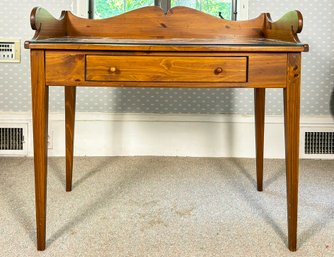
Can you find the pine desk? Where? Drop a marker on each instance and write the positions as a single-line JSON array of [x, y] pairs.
[[184, 48]]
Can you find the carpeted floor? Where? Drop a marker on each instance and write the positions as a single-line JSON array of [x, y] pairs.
[[166, 206]]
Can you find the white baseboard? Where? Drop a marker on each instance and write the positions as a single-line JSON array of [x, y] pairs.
[[101, 134]]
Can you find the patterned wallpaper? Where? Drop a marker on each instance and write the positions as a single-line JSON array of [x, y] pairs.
[[15, 93], [317, 79], [318, 64]]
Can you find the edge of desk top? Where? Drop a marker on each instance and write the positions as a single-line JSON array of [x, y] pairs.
[[175, 44]]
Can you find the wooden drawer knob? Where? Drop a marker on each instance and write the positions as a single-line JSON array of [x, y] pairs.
[[218, 70], [113, 69]]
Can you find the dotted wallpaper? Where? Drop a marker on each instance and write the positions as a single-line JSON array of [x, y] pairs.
[[15, 95], [317, 77], [318, 64]]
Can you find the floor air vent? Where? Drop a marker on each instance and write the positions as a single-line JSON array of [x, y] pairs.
[[319, 143], [11, 139]]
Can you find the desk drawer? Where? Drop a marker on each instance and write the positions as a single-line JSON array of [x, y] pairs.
[[162, 68]]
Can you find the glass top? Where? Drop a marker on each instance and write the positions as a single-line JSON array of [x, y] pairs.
[[229, 41]]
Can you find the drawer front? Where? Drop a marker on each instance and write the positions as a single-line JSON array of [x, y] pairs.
[[162, 68], [62, 67]]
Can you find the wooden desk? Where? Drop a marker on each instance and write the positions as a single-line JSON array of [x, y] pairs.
[[183, 49]]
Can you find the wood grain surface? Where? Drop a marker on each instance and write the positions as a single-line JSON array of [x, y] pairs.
[[142, 69], [70, 99], [40, 102], [166, 68], [292, 121], [151, 23], [183, 49]]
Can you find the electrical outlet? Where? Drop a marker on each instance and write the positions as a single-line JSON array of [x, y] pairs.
[[10, 50], [50, 140]]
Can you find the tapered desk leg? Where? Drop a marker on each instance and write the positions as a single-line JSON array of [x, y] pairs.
[[70, 96], [292, 115], [40, 94], [259, 100]]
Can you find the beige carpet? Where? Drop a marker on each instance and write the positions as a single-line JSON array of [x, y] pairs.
[[156, 206]]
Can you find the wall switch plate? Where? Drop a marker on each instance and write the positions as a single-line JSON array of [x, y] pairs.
[[10, 50]]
